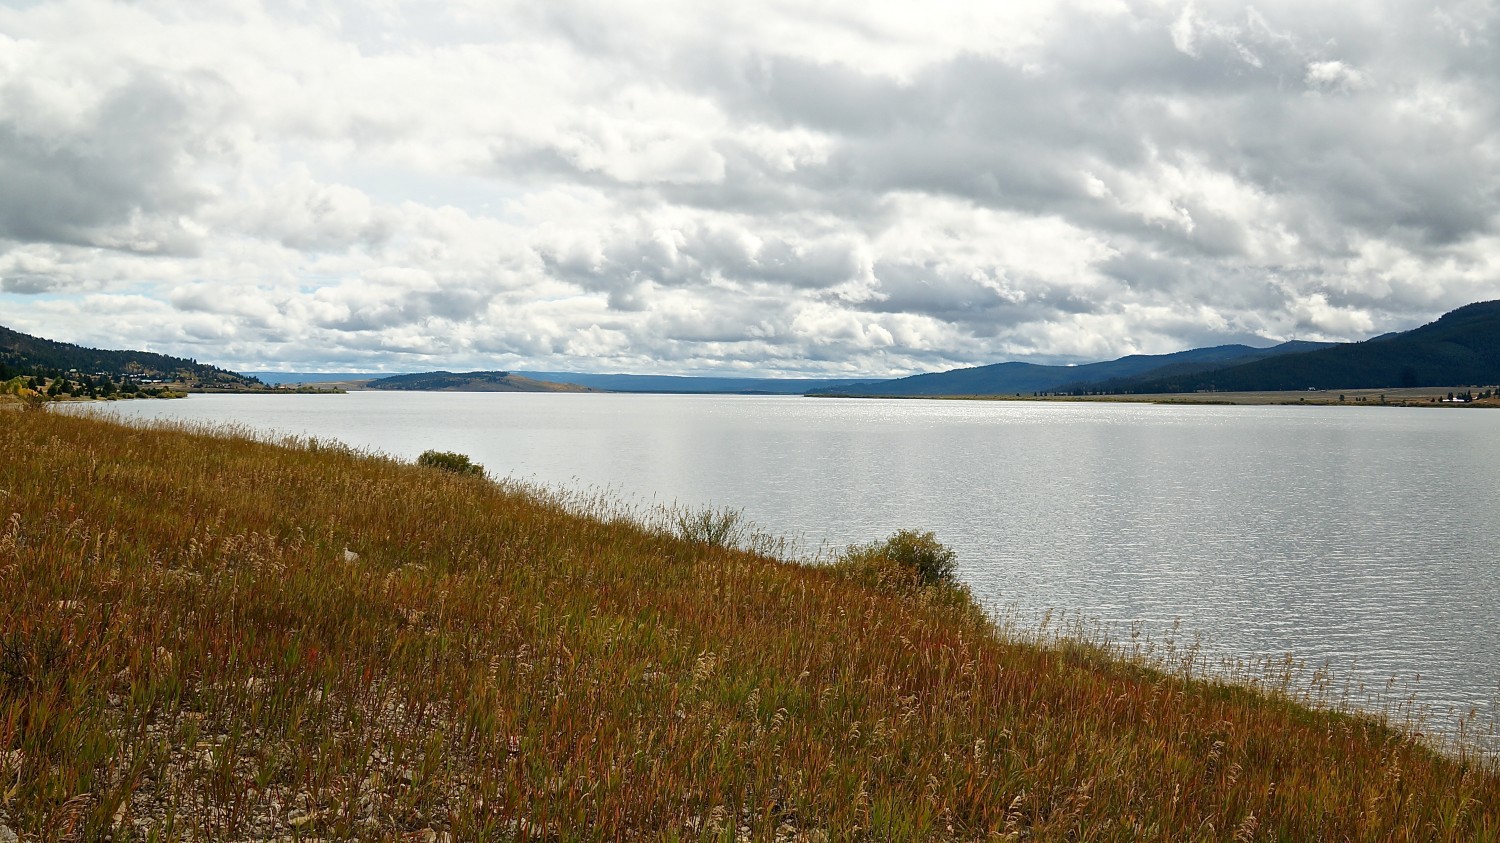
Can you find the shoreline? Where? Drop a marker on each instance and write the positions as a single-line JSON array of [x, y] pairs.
[[1404, 397], [1413, 397]]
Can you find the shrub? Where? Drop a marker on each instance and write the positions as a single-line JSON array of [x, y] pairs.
[[715, 527], [908, 559], [450, 461], [934, 562]]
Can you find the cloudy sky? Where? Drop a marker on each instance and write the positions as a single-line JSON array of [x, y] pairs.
[[798, 187]]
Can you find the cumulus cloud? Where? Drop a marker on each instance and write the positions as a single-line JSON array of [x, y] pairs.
[[764, 187], [1334, 75]]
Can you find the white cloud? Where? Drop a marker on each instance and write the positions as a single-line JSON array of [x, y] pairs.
[[1334, 75], [866, 188]]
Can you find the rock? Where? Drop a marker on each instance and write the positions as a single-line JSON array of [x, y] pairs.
[[7, 836], [299, 819], [350, 556]]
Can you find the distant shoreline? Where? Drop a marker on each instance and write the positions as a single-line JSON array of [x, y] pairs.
[[1406, 397]]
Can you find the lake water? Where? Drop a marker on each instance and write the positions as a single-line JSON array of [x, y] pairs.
[[1364, 537]]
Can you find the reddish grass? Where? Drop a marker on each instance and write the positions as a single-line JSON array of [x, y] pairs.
[[191, 654]]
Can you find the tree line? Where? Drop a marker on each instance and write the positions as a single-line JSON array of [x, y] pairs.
[[56, 386]]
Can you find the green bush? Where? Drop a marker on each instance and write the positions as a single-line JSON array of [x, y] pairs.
[[450, 461], [908, 559], [715, 527]]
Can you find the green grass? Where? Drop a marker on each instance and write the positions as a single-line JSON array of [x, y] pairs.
[[214, 638]]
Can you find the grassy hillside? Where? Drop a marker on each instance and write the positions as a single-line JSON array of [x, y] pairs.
[[216, 639], [1462, 347], [23, 353], [470, 382]]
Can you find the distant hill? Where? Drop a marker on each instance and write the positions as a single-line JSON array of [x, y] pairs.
[[1187, 368], [1460, 348], [694, 384], [471, 382], [1026, 378], [24, 353], [279, 378]]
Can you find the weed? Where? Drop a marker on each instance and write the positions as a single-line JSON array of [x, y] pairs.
[[711, 527]]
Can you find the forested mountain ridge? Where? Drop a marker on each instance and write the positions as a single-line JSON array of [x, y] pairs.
[[1025, 378], [25, 354], [1460, 348]]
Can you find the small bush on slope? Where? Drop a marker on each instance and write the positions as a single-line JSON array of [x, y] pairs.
[[449, 461], [723, 528], [908, 559]]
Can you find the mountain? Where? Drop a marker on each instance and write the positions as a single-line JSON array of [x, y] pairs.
[[1188, 368], [1025, 378], [471, 382], [694, 384], [294, 378], [1460, 348], [25, 353], [685, 384]]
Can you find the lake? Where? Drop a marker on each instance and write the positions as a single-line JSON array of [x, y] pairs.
[[1364, 537]]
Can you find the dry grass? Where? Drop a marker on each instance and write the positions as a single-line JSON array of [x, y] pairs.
[[211, 638]]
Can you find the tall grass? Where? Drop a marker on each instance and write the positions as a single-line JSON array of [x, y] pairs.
[[216, 638], [724, 528]]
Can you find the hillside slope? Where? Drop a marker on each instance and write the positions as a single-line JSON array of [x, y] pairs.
[[220, 639], [23, 352], [1025, 378], [693, 384], [1460, 348], [470, 382]]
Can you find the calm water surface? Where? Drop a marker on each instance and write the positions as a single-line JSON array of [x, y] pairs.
[[1368, 538]]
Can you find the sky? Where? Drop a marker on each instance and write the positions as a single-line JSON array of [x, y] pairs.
[[798, 188]]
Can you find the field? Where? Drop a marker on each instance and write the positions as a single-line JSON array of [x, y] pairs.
[[209, 637]]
